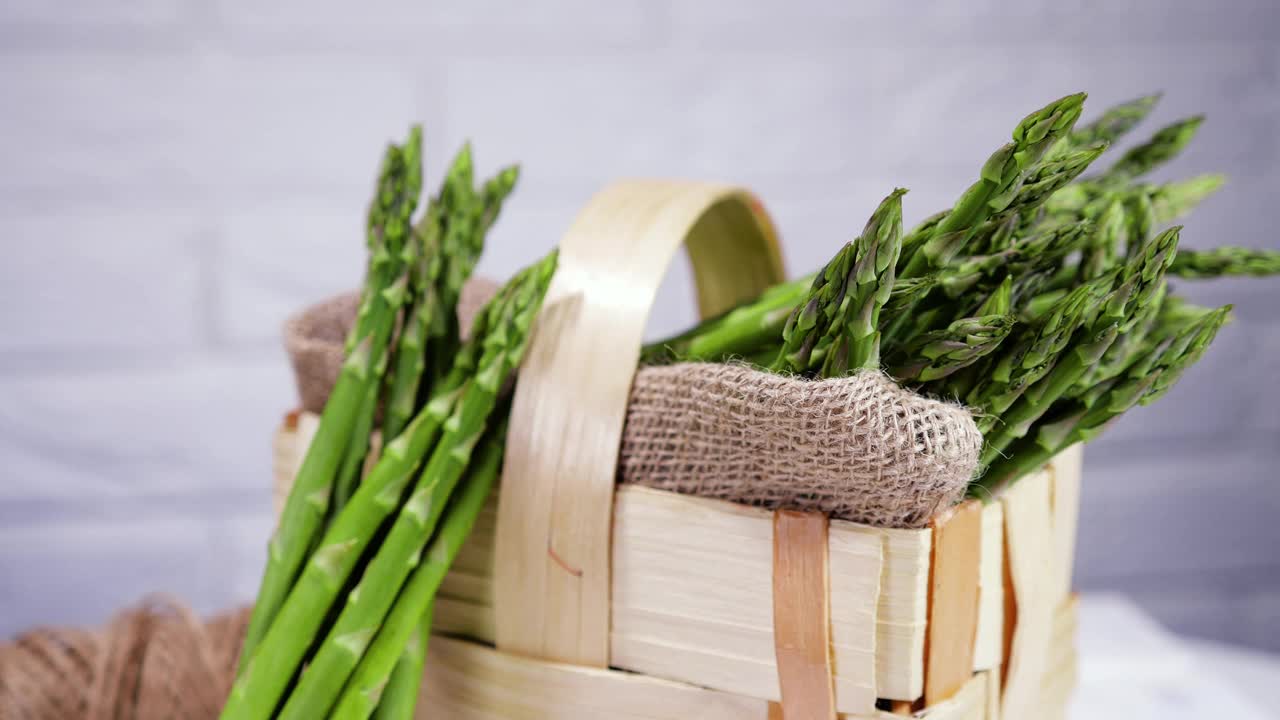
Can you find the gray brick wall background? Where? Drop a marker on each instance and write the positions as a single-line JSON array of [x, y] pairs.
[[179, 175]]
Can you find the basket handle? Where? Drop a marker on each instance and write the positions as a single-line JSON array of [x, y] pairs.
[[555, 511]]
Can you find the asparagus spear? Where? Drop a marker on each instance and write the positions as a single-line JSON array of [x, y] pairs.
[[402, 688], [1224, 261], [1114, 122], [738, 332], [366, 687], [263, 678], [308, 501], [1105, 246], [1051, 176], [1140, 285], [870, 284], [461, 244], [1123, 351], [402, 393], [938, 354], [1001, 178], [835, 329], [399, 697], [1173, 200], [817, 315], [1141, 215], [1038, 251], [1142, 384], [1161, 148], [1026, 358], [367, 605]]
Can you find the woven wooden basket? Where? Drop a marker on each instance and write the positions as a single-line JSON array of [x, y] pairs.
[[579, 598]]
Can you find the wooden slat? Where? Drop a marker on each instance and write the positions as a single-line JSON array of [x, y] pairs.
[[988, 648], [467, 681], [953, 601], [1029, 547], [1061, 666], [1065, 470], [802, 615], [552, 547], [692, 597], [693, 600], [902, 613]]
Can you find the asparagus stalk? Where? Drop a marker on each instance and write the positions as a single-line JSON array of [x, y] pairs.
[[1105, 246], [401, 695], [835, 328], [937, 354], [410, 361], [308, 502], [1160, 149], [461, 244], [739, 332], [263, 678], [1001, 178], [1029, 357], [1038, 251], [1114, 122], [401, 551], [870, 284], [1142, 222], [1124, 350], [1140, 285], [374, 673], [1225, 261], [1173, 200], [817, 315], [1051, 176], [1142, 384]]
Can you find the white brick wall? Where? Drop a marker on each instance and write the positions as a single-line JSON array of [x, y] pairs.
[[179, 176]]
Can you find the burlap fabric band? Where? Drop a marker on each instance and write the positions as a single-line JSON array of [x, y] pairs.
[[859, 448], [157, 661]]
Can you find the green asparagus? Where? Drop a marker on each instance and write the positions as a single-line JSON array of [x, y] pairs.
[[308, 501], [365, 689], [1224, 261], [401, 550]]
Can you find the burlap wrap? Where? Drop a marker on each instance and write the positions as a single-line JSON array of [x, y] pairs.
[[859, 448], [157, 661]]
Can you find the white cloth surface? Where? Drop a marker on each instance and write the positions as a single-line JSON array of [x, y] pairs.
[[1133, 669]]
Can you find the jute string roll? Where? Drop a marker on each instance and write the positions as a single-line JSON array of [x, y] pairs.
[[157, 661]]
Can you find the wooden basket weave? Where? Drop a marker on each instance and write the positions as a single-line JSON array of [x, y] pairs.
[[579, 598]]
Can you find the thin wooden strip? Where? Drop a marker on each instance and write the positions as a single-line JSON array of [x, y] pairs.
[[1065, 469], [953, 601], [1029, 548], [692, 598], [988, 648], [687, 568], [466, 681], [855, 560], [802, 615], [967, 703], [553, 538], [902, 614]]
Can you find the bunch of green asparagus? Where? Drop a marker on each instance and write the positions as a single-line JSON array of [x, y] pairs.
[[1040, 299], [340, 624]]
